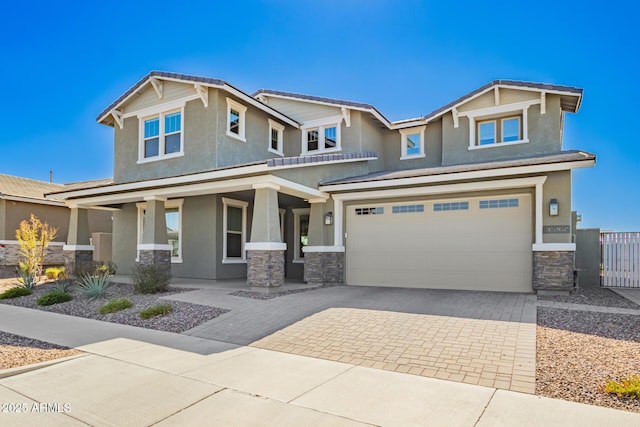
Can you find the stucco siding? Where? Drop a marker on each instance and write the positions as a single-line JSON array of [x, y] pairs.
[[55, 216], [432, 147], [557, 186], [125, 238]]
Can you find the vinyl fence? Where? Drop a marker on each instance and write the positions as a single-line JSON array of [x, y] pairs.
[[620, 259]]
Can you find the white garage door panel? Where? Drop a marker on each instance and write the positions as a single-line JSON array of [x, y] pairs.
[[487, 249]]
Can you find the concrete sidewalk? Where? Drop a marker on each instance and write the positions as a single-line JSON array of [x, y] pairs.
[[126, 382]]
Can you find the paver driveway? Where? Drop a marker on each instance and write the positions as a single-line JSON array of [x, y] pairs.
[[485, 338]]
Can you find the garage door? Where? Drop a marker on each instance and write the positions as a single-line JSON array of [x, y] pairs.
[[471, 243]]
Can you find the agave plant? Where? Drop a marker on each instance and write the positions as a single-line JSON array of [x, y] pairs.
[[94, 286], [63, 285], [27, 280]]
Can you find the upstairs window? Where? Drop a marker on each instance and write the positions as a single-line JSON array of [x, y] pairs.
[[412, 142], [276, 137], [499, 130], [236, 120], [321, 138], [161, 136]]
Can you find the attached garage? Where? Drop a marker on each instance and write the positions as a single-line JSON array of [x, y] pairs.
[[473, 243]]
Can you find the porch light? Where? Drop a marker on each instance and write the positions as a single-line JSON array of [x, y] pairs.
[[553, 207], [328, 218]]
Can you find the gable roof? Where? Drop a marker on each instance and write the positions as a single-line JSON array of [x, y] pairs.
[[16, 187], [186, 78]]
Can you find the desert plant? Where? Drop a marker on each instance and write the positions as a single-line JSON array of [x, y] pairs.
[[627, 387], [54, 297], [27, 280], [16, 292], [94, 286], [156, 310], [63, 285], [150, 279], [33, 237], [105, 268], [55, 273], [116, 305]]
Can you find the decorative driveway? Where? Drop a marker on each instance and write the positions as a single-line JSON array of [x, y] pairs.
[[485, 352]]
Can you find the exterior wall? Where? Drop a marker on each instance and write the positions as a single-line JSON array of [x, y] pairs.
[[148, 97], [370, 137], [233, 270], [553, 270], [312, 175], [557, 229], [302, 111], [3, 220], [588, 257], [125, 238], [544, 135], [55, 216], [432, 148]]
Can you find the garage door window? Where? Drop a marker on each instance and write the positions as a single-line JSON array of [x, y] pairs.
[[451, 206], [370, 211], [407, 209], [498, 203]]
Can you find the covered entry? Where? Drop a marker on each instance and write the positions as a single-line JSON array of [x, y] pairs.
[[473, 243]]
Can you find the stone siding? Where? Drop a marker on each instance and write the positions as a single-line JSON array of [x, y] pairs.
[[325, 268], [160, 258], [265, 268], [553, 270], [10, 255], [78, 262]]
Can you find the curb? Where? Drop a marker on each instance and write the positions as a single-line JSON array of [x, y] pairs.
[[5, 373]]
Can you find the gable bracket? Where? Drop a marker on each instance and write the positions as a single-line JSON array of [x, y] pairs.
[[496, 96], [117, 116], [158, 86], [454, 110], [203, 93], [346, 114], [543, 102]]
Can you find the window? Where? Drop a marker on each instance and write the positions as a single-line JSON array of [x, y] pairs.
[[234, 224], [173, 219], [412, 142], [321, 139], [451, 206], [301, 233], [498, 203], [276, 137], [236, 120], [498, 131], [370, 211], [407, 209], [161, 136]]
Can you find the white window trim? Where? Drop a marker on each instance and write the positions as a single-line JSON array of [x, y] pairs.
[[241, 109], [321, 125], [297, 213], [161, 136], [507, 110], [273, 125], [243, 237], [404, 133], [174, 203]]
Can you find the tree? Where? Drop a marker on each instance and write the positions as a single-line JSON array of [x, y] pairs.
[[34, 237]]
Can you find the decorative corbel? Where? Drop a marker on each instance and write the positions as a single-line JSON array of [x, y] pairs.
[[543, 102], [158, 86], [203, 93], [454, 111], [346, 114], [117, 116], [496, 95]]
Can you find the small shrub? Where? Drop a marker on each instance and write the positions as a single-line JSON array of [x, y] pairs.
[[108, 268], [156, 310], [627, 387], [16, 292], [63, 285], [27, 280], [150, 279], [116, 305], [94, 286], [54, 297], [55, 273]]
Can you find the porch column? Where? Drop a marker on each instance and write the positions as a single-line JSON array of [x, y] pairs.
[[265, 251], [154, 249], [78, 252], [323, 262]]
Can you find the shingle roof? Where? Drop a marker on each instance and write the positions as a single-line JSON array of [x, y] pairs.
[[561, 157], [32, 189]]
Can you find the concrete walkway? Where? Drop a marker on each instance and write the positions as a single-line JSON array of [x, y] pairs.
[[124, 382], [632, 294]]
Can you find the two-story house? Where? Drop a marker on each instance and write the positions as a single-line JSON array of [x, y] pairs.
[[221, 184]]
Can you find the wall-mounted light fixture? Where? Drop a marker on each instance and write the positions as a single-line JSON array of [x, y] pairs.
[[553, 207], [328, 218]]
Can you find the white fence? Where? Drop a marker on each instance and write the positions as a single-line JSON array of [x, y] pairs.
[[620, 259]]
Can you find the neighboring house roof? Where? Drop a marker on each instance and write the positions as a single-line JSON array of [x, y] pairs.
[[15, 187], [546, 159], [186, 78]]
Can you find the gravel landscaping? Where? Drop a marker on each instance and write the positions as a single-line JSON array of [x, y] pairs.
[[578, 351], [599, 296], [19, 351], [183, 317]]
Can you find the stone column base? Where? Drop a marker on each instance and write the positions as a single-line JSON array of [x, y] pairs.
[[78, 262], [553, 270], [159, 257], [265, 268], [325, 268]]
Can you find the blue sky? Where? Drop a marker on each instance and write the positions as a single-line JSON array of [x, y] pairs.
[[63, 62]]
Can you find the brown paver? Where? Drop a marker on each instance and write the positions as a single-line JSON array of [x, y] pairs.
[[493, 353]]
